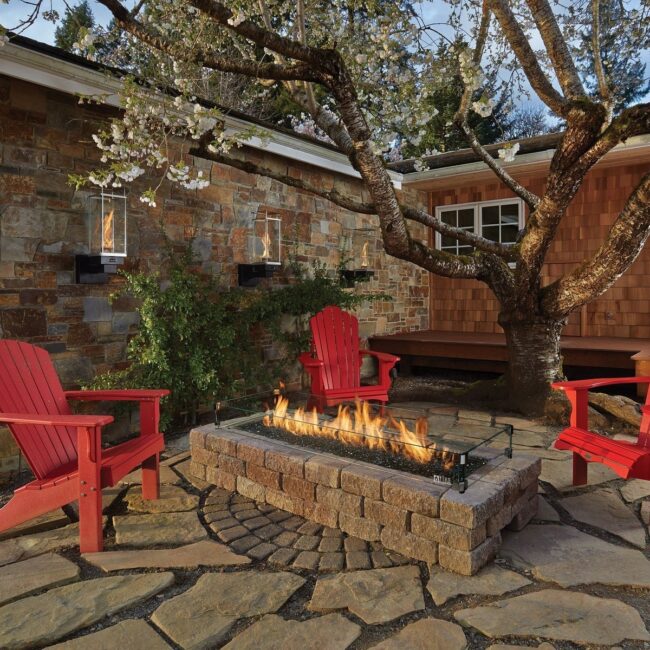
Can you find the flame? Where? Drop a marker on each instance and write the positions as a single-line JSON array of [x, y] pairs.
[[361, 428], [364, 255], [107, 234], [266, 244]]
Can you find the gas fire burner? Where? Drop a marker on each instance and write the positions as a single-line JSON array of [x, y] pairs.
[[444, 501], [424, 443]]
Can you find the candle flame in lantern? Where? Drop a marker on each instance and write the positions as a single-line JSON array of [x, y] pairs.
[[361, 428], [364, 255], [266, 246], [107, 234]]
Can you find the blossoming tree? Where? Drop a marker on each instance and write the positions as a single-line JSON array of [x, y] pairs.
[[361, 69]]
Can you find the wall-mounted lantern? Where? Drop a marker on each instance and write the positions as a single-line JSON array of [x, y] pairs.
[[106, 219], [264, 250], [357, 256]]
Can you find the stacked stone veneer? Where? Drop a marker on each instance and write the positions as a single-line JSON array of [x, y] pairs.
[[408, 514]]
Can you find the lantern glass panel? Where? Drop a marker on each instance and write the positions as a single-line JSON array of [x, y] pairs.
[[107, 225], [361, 253], [264, 242]]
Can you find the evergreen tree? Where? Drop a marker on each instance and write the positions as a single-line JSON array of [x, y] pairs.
[[67, 33], [626, 74]]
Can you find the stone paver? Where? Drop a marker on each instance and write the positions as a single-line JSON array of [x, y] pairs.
[[127, 634], [375, 596], [42, 619], [635, 489], [333, 632], [545, 511], [569, 557], [172, 499], [559, 473], [26, 577], [645, 512], [605, 509], [205, 553], [490, 581], [201, 616], [426, 634], [48, 521], [161, 528], [21, 548], [501, 646], [558, 615]]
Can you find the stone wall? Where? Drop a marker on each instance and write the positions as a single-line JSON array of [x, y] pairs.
[[45, 135]]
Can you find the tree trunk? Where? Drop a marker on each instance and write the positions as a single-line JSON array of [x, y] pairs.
[[534, 360]]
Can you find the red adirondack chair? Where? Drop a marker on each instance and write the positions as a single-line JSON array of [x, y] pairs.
[[334, 363], [627, 459], [64, 450]]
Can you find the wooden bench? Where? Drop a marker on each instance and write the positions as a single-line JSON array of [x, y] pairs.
[[627, 459]]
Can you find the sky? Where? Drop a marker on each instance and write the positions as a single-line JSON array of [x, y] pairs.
[[42, 30]]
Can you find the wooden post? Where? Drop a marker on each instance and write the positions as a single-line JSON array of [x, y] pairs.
[[641, 369]]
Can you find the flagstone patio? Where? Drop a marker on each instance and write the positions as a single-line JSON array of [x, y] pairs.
[[206, 568]]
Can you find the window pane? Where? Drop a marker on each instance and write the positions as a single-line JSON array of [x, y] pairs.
[[448, 216], [466, 218], [510, 210], [509, 234], [464, 250], [491, 232], [490, 214], [448, 242]]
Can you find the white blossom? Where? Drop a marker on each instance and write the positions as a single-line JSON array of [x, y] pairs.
[[508, 152]]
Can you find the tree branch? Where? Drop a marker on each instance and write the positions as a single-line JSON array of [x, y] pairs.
[[249, 68], [524, 52], [603, 86], [591, 279], [557, 48], [461, 120]]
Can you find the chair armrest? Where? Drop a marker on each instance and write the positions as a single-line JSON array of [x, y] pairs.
[[308, 361], [578, 394], [86, 421], [126, 395], [384, 357], [586, 384]]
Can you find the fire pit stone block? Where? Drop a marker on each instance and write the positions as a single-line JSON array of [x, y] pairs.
[[411, 515]]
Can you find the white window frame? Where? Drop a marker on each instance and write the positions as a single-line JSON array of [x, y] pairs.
[[476, 206]]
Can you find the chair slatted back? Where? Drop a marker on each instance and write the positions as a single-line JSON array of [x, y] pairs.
[[29, 385], [336, 343]]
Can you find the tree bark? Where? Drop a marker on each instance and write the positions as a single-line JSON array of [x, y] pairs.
[[535, 360]]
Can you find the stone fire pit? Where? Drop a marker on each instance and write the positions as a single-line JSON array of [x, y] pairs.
[[412, 515]]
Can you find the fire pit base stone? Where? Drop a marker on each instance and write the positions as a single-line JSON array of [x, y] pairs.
[[408, 514]]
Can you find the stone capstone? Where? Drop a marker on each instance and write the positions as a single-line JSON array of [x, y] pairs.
[[334, 632], [490, 581], [426, 634], [560, 615], [569, 557], [43, 619], [202, 616], [375, 596], [205, 553]]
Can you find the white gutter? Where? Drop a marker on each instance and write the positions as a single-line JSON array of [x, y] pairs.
[[65, 76], [637, 143]]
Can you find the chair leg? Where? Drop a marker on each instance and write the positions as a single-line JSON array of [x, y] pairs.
[[579, 470], [151, 478], [91, 530]]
